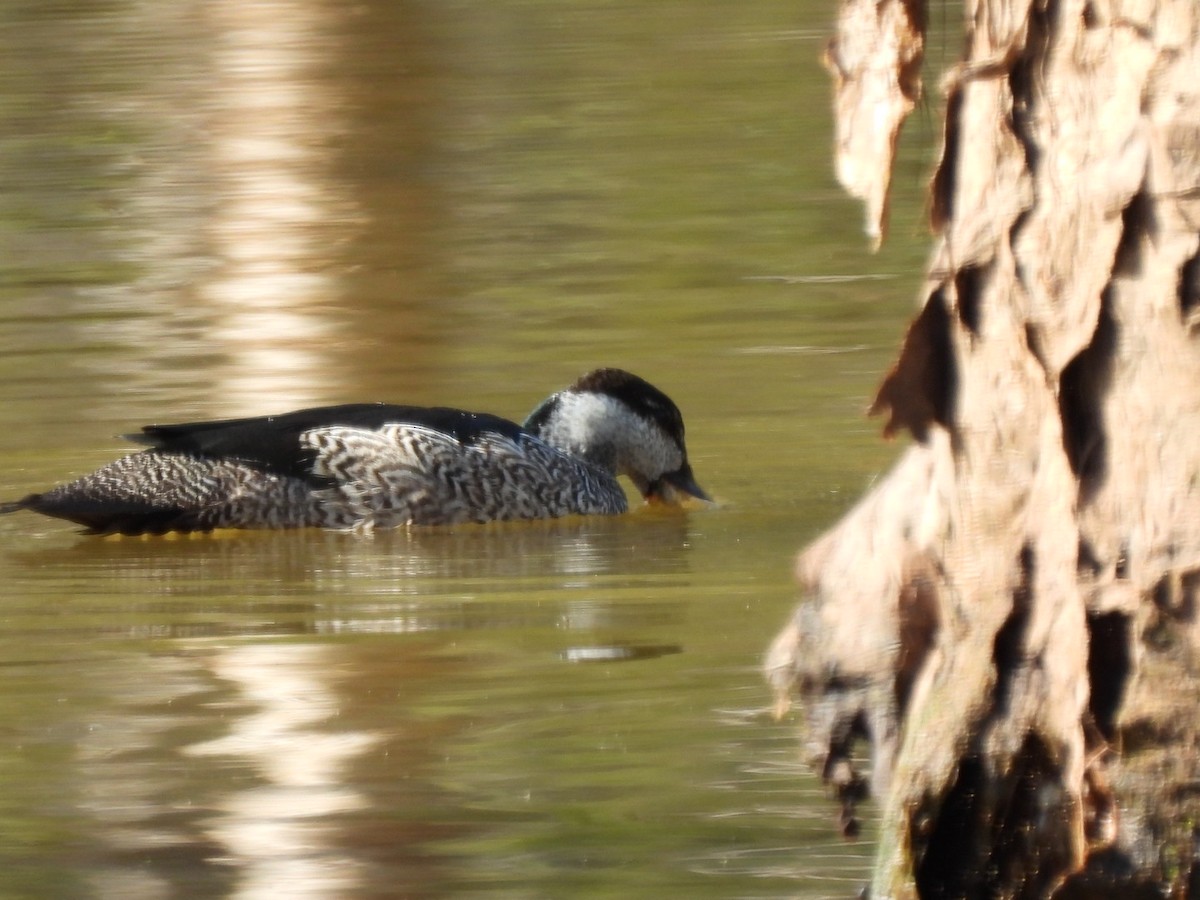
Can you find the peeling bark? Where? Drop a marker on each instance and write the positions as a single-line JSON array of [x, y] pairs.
[[875, 60], [1011, 617]]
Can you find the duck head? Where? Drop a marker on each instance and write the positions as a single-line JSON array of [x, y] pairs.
[[620, 423]]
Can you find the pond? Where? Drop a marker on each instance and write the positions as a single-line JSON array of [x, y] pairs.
[[246, 206]]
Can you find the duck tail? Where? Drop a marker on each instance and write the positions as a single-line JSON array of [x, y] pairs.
[[12, 506]]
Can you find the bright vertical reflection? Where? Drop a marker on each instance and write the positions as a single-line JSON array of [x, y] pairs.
[[277, 831], [271, 132]]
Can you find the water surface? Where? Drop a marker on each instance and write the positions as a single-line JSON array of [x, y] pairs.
[[241, 207]]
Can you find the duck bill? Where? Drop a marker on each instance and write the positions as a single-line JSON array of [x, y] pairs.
[[676, 487]]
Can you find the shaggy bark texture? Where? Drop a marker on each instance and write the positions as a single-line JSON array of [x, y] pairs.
[[1010, 617]]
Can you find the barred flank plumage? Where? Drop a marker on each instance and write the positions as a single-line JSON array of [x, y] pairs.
[[372, 465], [410, 474], [155, 492]]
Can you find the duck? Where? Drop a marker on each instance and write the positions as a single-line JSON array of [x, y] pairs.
[[362, 466]]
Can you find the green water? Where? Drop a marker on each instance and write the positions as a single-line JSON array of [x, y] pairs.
[[242, 207]]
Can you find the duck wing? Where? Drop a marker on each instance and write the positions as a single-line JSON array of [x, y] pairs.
[[274, 443]]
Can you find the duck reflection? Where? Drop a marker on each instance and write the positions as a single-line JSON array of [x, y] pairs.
[[573, 575]]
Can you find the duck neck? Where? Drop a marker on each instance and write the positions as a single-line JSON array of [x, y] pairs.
[[585, 426]]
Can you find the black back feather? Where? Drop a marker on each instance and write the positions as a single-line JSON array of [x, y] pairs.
[[273, 442]]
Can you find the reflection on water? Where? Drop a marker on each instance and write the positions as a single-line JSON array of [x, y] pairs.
[[208, 140], [277, 832], [452, 710], [574, 549], [130, 791], [574, 576], [270, 142]]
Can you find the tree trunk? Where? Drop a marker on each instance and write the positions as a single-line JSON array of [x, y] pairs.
[[1010, 617]]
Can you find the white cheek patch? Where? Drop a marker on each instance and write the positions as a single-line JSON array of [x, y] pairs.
[[607, 433]]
